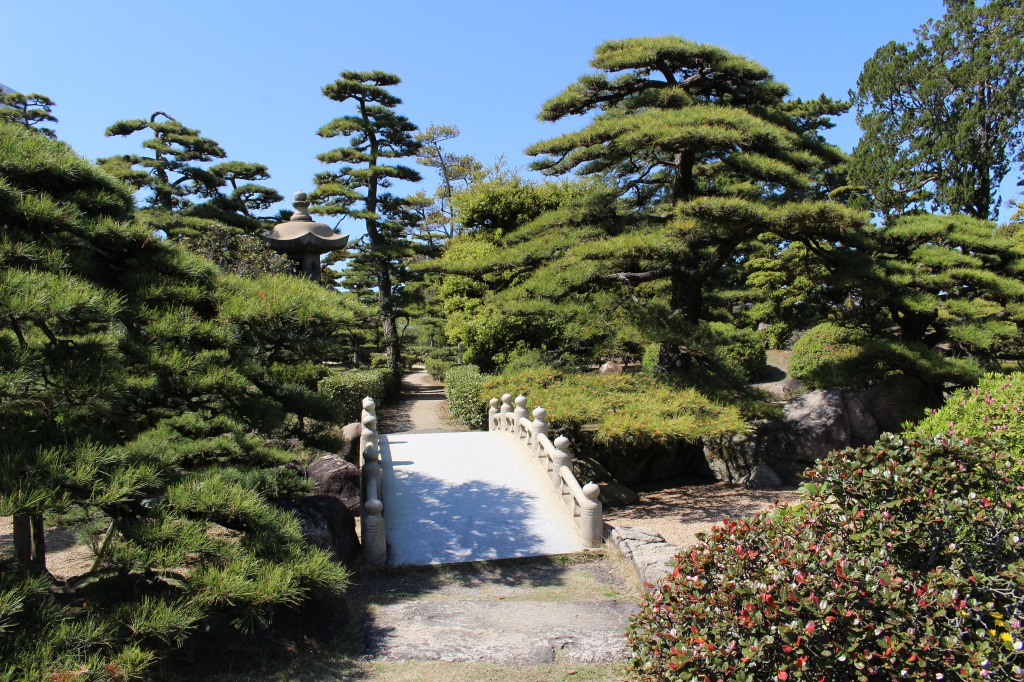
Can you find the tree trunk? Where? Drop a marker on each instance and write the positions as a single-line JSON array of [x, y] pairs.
[[687, 302], [29, 540], [388, 323]]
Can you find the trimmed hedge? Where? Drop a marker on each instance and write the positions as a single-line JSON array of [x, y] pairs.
[[463, 387], [903, 559], [830, 356], [347, 388], [438, 367]]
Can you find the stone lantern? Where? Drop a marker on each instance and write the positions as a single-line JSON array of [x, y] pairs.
[[303, 240]]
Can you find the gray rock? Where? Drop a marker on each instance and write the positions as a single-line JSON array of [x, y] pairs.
[[653, 559], [350, 442], [326, 523], [334, 476], [817, 424], [739, 458], [611, 367], [863, 425]]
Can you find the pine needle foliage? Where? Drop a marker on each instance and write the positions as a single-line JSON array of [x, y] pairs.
[[138, 386], [696, 153]]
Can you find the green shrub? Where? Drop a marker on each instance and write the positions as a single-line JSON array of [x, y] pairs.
[[741, 350], [903, 560], [830, 356], [463, 387], [347, 388], [437, 367], [649, 362], [640, 427]]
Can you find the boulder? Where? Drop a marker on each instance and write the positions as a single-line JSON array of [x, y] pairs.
[[816, 424], [611, 367], [653, 559], [331, 475], [326, 523], [739, 458], [350, 442]]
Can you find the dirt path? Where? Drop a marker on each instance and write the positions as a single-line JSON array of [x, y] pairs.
[[422, 408]]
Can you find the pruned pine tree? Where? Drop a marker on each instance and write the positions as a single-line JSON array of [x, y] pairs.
[[186, 197], [134, 380], [28, 110], [707, 153], [943, 116], [377, 136], [438, 222], [951, 282], [171, 173]]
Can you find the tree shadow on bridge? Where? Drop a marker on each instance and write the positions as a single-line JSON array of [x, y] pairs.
[[436, 521]]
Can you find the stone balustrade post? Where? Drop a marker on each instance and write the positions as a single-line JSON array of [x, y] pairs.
[[561, 458], [591, 517], [518, 414], [491, 413], [539, 426], [372, 472], [374, 537], [506, 408]]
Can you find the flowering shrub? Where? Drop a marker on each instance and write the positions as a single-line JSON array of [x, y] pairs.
[[992, 409], [903, 559]]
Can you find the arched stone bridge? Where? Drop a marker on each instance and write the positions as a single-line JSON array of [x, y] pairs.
[[438, 498]]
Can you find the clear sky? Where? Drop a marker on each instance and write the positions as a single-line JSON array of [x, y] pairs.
[[249, 74]]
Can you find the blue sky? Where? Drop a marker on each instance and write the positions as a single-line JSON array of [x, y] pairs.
[[248, 74]]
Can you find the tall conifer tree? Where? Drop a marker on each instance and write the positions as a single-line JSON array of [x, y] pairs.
[[376, 135]]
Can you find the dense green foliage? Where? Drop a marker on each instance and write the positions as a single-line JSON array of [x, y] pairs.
[[947, 282], [618, 410], [438, 367], [902, 559], [347, 388], [693, 154], [464, 387], [831, 356], [943, 117], [834, 356], [138, 385]]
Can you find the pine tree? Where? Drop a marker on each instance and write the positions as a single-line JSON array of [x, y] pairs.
[[706, 154], [28, 110], [376, 134], [134, 382]]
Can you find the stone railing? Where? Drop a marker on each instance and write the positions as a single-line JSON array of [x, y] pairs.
[[373, 532], [581, 501]]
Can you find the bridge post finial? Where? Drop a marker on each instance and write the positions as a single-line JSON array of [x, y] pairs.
[[374, 538], [517, 415], [591, 517], [539, 426], [492, 413], [561, 458]]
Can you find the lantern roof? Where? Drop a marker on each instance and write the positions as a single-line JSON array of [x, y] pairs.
[[301, 234]]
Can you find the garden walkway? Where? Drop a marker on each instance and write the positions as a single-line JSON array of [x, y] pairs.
[[469, 496]]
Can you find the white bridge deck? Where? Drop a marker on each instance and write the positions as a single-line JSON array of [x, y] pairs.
[[456, 497]]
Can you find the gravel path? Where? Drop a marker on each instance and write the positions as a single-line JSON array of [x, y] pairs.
[[421, 409]]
